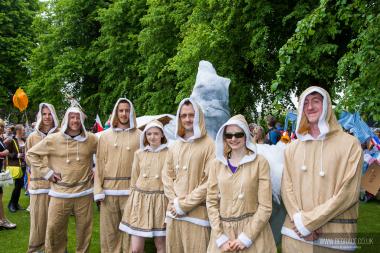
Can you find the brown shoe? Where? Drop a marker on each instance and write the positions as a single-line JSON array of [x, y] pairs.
[[7, 224]]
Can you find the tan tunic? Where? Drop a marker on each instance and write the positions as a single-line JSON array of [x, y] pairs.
[[240, 204], [69, 157], [144, 214]]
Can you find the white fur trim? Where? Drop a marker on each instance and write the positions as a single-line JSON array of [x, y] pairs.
[[99, 197], [70, 195], [245, 240], [117, 192], [38, 191], [178, 209], [322, 124], [221, 240], [248, 142], [196, 128], [297, 217], [196, 221], [161, 147], [148, 234], [48, 175], [322, 242]]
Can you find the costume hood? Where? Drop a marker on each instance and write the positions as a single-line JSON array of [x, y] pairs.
[[198, 124], [132, 116], [220, 143], [143, 139], [39, 119]]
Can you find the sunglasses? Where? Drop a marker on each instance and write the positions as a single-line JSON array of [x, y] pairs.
[[237, 135]]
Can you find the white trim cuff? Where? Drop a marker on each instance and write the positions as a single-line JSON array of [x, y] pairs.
[[245, 240], [221, 240], [178, 209], [49, 174], [297, 217], [99, 197]]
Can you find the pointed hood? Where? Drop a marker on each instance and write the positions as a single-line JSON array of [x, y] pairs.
[[220, 143], [39, 119], [198, 124], [144, 142], [83, 136], [132, 116], [327, 122]]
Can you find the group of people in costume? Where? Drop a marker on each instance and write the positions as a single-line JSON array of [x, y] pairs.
[[196, 194]]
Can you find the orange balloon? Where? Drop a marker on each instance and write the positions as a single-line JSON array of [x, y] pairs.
[[20, 99]]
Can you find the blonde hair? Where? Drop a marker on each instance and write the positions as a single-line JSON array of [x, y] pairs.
[[2, 123]]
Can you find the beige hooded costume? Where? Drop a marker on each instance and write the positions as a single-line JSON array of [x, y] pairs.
[[114, 159], [38, 186], [144, 214], [71, 157], [185, 184], [320, 184], [239, 204]]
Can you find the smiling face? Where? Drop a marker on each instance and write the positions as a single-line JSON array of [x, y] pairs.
[[47, 117], [74, 124], [234, 137], [123, 111], [154, 136], [313, 107]]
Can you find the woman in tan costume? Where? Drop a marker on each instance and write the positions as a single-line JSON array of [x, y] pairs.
[[144, 215], [239, 194]]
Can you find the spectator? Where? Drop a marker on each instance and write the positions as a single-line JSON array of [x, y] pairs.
[[4, 222], [16, 157], [252, 127], [258, 137], [273, 135]]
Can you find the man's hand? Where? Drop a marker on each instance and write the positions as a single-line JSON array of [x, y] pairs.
[[173, 211], [312, 237], [237, 245], [226, 247], [55, 177]]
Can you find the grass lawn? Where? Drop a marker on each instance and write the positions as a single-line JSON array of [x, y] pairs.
[[16, 241]]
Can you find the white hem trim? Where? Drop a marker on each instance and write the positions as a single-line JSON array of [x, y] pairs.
[[221, 240], [70, 195], [178, 209], [99, 196], [149, 234], [297, 217], [117, 192], [322, 242], [48, 175], [196, 221], [245, 240], [39, 191]]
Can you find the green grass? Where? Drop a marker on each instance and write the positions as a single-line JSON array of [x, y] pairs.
[[16, 241]]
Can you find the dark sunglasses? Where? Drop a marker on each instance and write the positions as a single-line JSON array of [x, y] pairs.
[[237, 135]]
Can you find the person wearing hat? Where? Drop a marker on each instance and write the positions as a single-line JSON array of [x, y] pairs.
[[144, 214], [47, 123], [321, 180], [185, 182], [65, 159], [239, 194], [114, 159]]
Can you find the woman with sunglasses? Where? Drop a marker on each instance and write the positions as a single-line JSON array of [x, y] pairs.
[[239, 194]]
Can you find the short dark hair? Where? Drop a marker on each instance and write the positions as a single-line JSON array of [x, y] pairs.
[[271, 121]]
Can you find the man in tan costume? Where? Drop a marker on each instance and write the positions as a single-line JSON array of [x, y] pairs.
[[321, 180], [114, 159], [185, 182], [47, 123], [69, 166]]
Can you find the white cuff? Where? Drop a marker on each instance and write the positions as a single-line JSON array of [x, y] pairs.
[[245, 240], [297, 217], [99, 196], [49, 174], [221, 240], [178, 209]]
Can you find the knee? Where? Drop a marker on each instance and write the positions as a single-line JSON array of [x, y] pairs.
[[160, 244], [137, 250]]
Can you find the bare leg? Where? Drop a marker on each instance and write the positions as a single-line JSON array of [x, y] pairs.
[[1, 207], [137, 244], [160, 244]]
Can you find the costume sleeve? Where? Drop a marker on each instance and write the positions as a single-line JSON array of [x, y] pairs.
[[212, 203], [101, 160], [135, 170], [287, 193], [37, 157], [346, 197], [28, 145], [198, 195], [168, 177], [264, 210]]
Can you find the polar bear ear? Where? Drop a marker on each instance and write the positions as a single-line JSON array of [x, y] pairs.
[[206, 67]]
